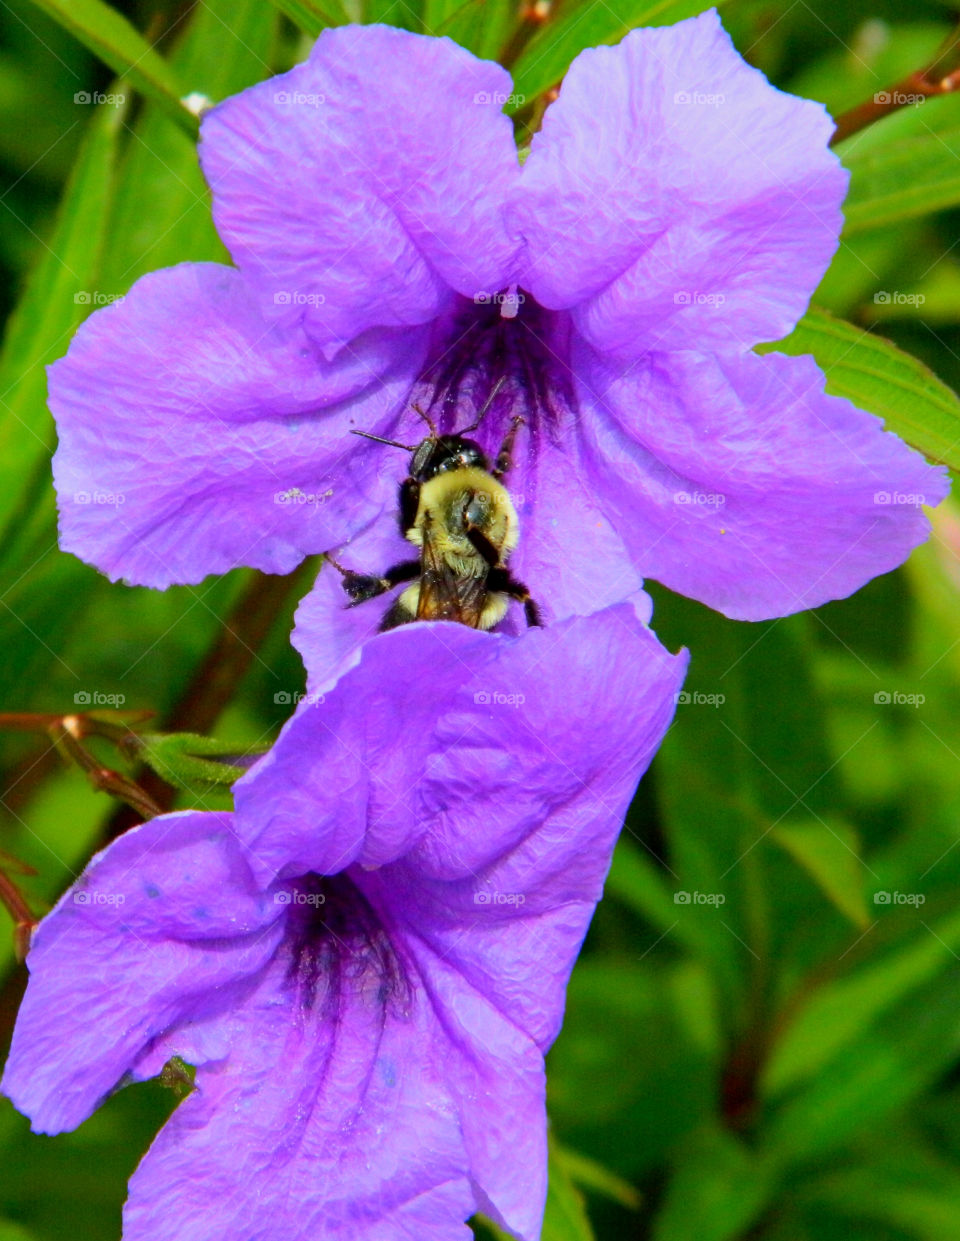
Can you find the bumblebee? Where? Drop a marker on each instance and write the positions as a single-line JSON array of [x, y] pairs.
[[455, 509]]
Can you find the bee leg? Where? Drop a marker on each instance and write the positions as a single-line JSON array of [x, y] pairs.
[[505, 456], [501, 580], [363, 586], [483, 545], [409, 504]]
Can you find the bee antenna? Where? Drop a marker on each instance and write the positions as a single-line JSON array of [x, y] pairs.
[[486, 405], [428, 420], [380, 440]]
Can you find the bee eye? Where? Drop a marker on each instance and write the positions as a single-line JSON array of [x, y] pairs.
[[421, 458]]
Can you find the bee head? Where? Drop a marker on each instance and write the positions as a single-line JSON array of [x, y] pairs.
[[438, 455]]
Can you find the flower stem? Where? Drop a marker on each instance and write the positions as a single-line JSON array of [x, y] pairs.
[[941, 77]]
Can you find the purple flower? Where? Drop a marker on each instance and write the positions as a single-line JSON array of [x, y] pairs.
[[674, 211], [369, 1043]]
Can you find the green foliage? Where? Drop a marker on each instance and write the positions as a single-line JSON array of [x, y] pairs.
[[193, 762], [586, 23], [876, 375], [111, 37], [906, 165], [763, 1034]]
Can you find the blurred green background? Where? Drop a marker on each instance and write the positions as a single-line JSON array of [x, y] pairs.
[[763, 1033]]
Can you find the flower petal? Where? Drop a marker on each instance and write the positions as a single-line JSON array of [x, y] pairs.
[[329, 632], [341, 782], [527, 804], [556, 729], [341, 1110], [505, 881], [571, 557], [164, 926], [195, 437], [488, 753], [737, 481], [676, 199], [494, 1069], [361, 187]]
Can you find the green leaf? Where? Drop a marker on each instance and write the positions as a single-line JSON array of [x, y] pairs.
[[565, 1218], [188, 760], [635, 880], [486, 27], [121, 46], [718, 1188], [626, 1051], [163, 213], [891, 1065], [408, 14], [906, 165], [311, 17], [829, 853], [588, 23], [904, 1186], [13, 1232], [58, 296], [842, 1012], [746, 749], [590, 1175], [879, 52], [876, 375]]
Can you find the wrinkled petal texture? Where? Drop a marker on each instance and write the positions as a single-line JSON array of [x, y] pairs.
[[499, 733], [195, 437], [339, 785], [328, 632], [530, 781], [361, 187], [674, 199], [512, 800], [331, 1118], [352, 1081], [738, 482], [164, 927]]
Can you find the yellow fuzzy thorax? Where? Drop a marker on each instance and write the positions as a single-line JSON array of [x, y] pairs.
[[442, 502]]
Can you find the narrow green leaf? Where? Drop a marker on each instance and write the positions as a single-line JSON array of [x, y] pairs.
[[902, 1186], [904, 165], [830, 856], [310, 16], [13, 1232], [875, 1077], [565, 1218], [549, 53], [61, 290], [191, 761], [407, 14], [111, 37], [590, 1175], [876, 375], [163, 213], [486, 27], [841, 1013], [635, 880], [718, 1188]]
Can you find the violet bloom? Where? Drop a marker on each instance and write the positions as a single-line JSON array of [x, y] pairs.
[[674, 211], [369, 1043]]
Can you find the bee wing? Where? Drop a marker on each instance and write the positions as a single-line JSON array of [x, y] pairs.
[[444, 594]]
